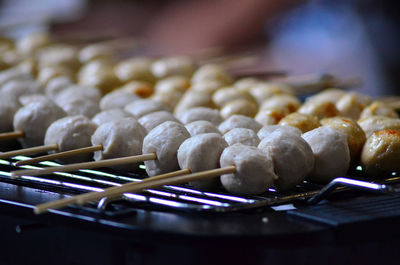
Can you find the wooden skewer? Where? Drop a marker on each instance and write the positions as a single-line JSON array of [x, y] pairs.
[[29, 151], [74, 152], [11, 135], [154, 182], [85, 165]]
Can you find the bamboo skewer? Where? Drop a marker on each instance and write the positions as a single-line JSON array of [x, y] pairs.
[[11, 135], [155, 182], [85, 165], [29, 151], [79, 151]]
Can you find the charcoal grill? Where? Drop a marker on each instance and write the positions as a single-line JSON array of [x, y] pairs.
[[180, 219]]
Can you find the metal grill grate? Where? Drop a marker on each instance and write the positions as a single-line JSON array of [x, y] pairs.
[[179, 197]]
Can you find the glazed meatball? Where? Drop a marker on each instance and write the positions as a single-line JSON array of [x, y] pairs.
[[8, 107], [34, 119], [199, 127], [142, 107], [301, 121], [292, 157], [71, 133], [239, 121], [120, 138], [164, 140], [254, 170], [239, 106], [331, 153], [378, 123], [200, 114], [117, 99], [242, 136], [351, 104], [381, 153], [152, 120], [355, 135], [270, 116], [320, 109], [202, 152], [267, 130], [18, 88], [110, 115], [378, 109]]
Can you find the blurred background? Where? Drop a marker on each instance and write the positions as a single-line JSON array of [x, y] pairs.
[[344, 37]]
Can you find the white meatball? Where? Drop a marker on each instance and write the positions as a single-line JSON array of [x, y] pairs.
[[172, 84], [192, 99], [292, 157], [8, 107], [378, 109], [56, 86], [199, 127], [267, 130], [381, 153], [164, 140], [34, 119], [320, 109], [134, 69], [152, 120], [331, 153], [142, 107], [351, 104], [120, 138], [80, 106], [75, 91], [18, 88], [254, 170], [200, 114], [178, 65], [239, 121], [242, 136], [211, 72], [378, 123], [117, 99], [202, 152], [331, 95], [28, 98], [110, 115], [16, 73], [71, 133]]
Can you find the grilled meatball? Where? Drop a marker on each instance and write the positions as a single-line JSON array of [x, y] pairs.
[[199, 127], [110, 115], [164, 140], [378, 123], [18, 88], [8, 106], [200, 114], [119, 138], [172, 84], [351, 104], [270, 116], [142, 107], [292, 157], [239, 121], [266, 90], [378, 109], [281, 102], [206, 86], [152, 120], [355, 135], [211, 72], [254, 170], [301, 121], [247, 83], [242, 136], [320, 109], [202, 152], [117, 99], [267, 130], [170, 66], [331, 153], [381, 153], [34, 119], [140, 88], [71, 133], [239, 106], [331, 95], [56, 86]]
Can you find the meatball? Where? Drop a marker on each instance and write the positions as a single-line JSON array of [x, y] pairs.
[[227, 94], [178, 65], [265, 90], [8, 107], [164, 140], [254, 170], [58, 55], [239, 121], [172, 84], [378, 123], [119, 138], [117, 99], [110, 115], [80, 106], [200, 114], [202, 152], [381, 153], [242, 136], [331, 153], [81, 92], [247, 83], [206, 86], [270, 116], [71, 133], [34, 119], [135, 69], [378, 109], [239, 106], [192, 99], [281, 102], [331, 95], [320, 109], [32, 42], [15, 73], [142, 107], [301, 121], [199, 127], [140, 88], [351, 104], [292, 157], [168, 99], [267, 130], [152, 120], [56, 86], [18, 88], [355, 135], [212, 72], [28, 98]]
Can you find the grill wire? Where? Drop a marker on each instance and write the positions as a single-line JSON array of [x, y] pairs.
[[177, 197]]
